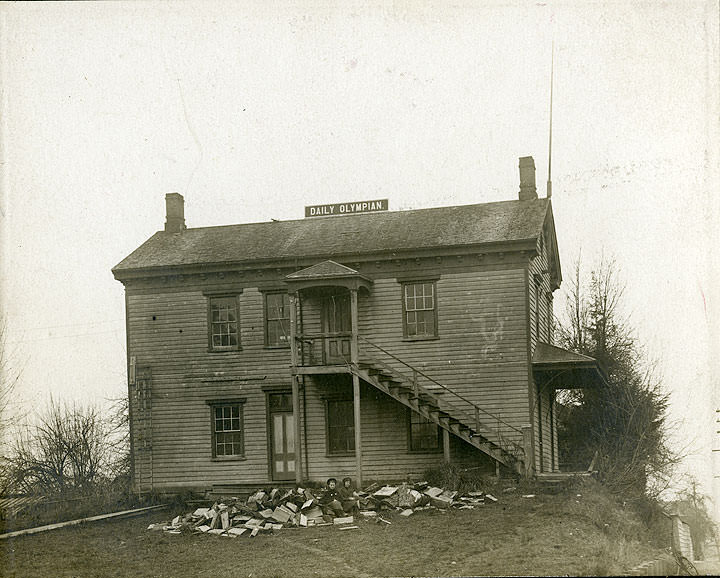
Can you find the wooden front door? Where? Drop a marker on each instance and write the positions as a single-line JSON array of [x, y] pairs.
[[337, 328], [282, 436]]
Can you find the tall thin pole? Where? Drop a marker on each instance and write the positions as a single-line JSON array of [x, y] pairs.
[[552, 70]]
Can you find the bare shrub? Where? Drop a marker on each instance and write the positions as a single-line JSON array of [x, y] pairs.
[[68, 449]]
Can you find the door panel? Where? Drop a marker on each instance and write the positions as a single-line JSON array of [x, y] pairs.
[[337, 327], [282, 436]]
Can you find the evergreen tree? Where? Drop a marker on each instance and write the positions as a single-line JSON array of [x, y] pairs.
[[623, 422]]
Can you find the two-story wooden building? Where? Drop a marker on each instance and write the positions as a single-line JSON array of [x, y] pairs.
[[373, 344]]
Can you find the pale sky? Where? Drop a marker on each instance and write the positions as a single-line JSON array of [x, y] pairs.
[[252, 113]]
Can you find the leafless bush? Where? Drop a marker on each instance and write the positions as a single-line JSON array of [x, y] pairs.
[[9, 377], [69, 449]]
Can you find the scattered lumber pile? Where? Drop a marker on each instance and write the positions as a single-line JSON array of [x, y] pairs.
[[270, 511]]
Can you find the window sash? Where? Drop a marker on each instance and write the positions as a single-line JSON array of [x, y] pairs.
[[277, 319], [224, 323], [227, 430], [419, 309], [340, 427]]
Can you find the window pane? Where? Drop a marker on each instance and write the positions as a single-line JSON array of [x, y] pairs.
[[273, 333], [227, 433]]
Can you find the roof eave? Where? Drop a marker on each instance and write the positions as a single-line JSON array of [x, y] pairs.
[[516, 245]]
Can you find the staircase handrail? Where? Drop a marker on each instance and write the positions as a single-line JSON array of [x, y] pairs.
[[476, 407]]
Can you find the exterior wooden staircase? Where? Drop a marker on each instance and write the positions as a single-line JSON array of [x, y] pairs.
[[447, 409]]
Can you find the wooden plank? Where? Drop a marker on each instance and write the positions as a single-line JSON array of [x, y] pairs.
[[122, 514]]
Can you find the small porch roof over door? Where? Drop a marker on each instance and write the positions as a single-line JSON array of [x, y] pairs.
[[565, 369], [327, 273]]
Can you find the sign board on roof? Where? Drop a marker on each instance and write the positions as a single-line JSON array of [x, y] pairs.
[[346, 208]]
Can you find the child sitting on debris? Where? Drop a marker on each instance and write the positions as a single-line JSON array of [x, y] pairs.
[[330, 501], [349, 498]]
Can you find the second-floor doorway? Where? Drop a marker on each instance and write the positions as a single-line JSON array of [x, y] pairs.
[[337, 328]]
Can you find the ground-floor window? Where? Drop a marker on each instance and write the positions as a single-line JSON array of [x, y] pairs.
[[423, 434], [227, 429], [340, 426]]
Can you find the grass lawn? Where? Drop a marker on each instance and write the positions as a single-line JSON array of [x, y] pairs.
[[545, 535]]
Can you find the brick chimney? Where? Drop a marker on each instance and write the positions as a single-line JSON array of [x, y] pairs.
[[174, 213], [527, 179]]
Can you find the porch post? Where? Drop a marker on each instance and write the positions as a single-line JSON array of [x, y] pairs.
[[446, 445], [354, 355], [296, 420], [295, 388], [528, 450], [293, 299]]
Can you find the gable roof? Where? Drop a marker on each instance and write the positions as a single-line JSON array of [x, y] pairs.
[[323, 270], [342, 236]]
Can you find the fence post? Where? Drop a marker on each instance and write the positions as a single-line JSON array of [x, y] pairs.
[[528, 450]]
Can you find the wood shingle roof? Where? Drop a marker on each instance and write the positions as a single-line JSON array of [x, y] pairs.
[[342, 236]]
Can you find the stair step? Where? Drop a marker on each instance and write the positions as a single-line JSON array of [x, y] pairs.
[[376, 369], [399, 386], [428, 405], [391, 380]]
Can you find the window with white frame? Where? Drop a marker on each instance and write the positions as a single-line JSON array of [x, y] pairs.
[[419, 309], [227, 429]]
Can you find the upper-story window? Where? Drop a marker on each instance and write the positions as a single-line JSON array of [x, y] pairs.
[[277, 319], [223, 323], [419, 309]]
